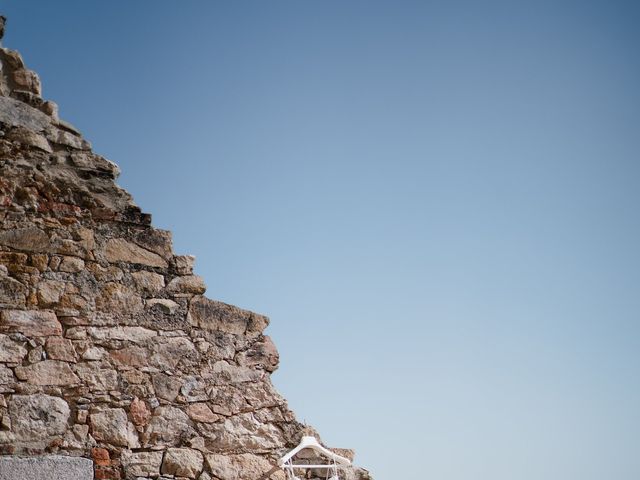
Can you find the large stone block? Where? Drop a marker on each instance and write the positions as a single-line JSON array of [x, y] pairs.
[[37, 418], [50, 467], [120, 250], [32, 323]]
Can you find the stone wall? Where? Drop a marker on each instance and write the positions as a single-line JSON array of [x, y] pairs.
[[108, 348]]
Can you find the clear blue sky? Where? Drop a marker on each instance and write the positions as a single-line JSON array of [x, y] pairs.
[[436, 202]]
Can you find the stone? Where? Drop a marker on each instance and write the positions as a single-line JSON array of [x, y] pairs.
[[120, 250], [50, 292], [182, 462], [59, 348], [166, 387], [139, 412], [148, 283], [6, 379], [47, 372], [95, 377], [32, 139], [169, 352], [246, 465], [32, 323], [141, 464], [163, 304], [184, 264], [111, 426], [62, 137], [262, 354], [212, 315], [27, 80], [10, 351], [48, 467], [116, 297], [101, 457], [130, 357], [37, 418], [200, 412], [168, 426], [130, 334], [189, 284], [30, 239], [19, 114], [12, 292], [71, 265]]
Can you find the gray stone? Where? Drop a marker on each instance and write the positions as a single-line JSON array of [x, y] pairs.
[[182, 462], [120, 250], [19, 114], [37, 418], [141, 464], [112, 426], [12, 292], [11, 351], [50, 467]]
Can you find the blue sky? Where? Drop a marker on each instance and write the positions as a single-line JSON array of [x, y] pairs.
[[436, 203]]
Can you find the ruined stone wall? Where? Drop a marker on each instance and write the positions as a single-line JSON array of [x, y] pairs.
[[108, 348]]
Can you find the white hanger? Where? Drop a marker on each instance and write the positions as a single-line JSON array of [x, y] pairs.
[[312, 443]]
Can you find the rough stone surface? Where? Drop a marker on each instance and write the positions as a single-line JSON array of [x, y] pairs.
[[108, 348], [182, 462], [50, 467], [37, 418]]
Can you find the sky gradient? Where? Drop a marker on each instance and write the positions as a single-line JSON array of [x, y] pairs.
[[435, 202]]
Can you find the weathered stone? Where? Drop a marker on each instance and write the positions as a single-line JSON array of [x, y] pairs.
[[27, 80], [96, 378], [166, 386], [120, 250], [169, 352], [10, 351], [189, 284], [32, 323], [59, 348], [246, 465], [111, 426], [37, 418], [30, 138], [71, 265], [184, 264], [182, 462], [242, 432], [30, 239], [49, 467], [116, 297], [48, 372], [262, 354], [163, 304], [200, 412], [212, 315], [50, 292], [101, 457], [148, 283], [168, 426], [130, 334], [130, 357], [68, 139], [12, 292], [19, 114], [141, 464], [139, 412], [6, 379], [89, 161]]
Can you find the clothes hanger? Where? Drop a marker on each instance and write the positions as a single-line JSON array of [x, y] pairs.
[[337, 461], [312, 443]]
